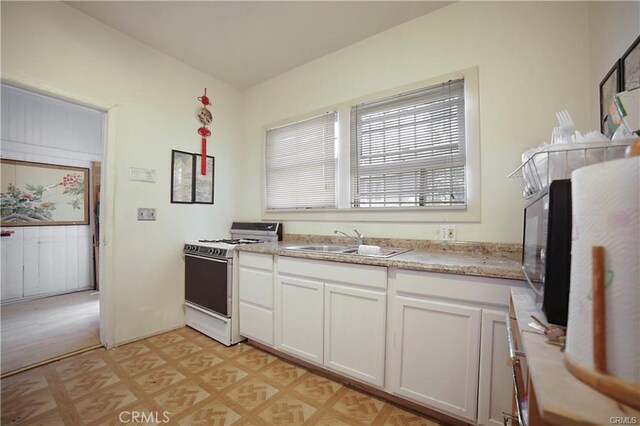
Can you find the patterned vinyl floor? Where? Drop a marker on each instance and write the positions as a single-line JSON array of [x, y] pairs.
[[183, 377]]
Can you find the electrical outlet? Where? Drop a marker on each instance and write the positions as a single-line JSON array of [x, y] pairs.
[[146, 214], [448, 232]]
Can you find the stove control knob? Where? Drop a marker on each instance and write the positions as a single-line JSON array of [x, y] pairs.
[[211, 251], [217, 252]]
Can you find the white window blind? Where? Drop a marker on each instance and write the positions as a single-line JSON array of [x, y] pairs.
[[409, 149], [300, 164]]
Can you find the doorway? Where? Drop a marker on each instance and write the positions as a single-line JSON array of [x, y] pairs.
[[50, 258]]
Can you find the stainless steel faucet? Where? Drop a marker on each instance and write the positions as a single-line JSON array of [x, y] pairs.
[[359, 239]]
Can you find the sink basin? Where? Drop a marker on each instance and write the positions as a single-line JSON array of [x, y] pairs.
[[384, 252], [323, 248], [338, 249]]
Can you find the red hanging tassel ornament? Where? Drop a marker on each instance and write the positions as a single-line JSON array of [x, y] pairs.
[[204, 132], [205, 118]]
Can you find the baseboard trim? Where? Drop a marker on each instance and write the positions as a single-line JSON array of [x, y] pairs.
[[379, 393], [146, 336], [50, 360], [46, 295]]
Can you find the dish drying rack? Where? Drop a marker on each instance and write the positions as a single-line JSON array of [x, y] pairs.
[[558, 161]]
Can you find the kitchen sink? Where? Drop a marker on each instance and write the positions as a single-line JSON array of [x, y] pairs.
[[353, 250], [330, 248]]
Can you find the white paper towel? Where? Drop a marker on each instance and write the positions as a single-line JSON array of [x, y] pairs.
[[606, 211]]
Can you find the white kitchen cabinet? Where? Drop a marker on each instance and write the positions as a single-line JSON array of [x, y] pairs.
[[255, 288], [494, 391], [438, 326], [434, 354], [299, 317], [344, 328], [354, 332]]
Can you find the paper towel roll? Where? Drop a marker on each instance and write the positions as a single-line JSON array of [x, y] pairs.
[[606, 212]]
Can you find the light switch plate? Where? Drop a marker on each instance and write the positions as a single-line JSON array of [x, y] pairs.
[[146, 214]]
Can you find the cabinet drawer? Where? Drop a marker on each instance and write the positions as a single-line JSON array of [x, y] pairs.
[[478, 290], [256, 323], [257, 260], [256, 286], [354, 274]]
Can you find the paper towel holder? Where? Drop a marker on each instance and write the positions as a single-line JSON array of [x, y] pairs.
[[614, 387], [633, 150]]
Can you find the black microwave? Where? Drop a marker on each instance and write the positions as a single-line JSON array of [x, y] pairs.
[[546, 249]]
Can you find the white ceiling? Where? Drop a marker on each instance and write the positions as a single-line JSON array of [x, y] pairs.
[[247, 42]]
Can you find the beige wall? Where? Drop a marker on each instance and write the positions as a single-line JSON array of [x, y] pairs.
[[152, 101], [532, 60], [613, 26]]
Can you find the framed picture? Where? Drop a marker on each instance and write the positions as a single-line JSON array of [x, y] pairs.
[[609, 86], [39, 194], [631, 67], [182, 171], [204, 183]]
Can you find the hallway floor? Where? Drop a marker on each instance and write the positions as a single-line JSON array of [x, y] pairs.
[[186, 378], [41, 329]]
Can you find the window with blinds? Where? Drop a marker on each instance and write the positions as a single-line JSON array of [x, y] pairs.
[[300, 164], [408, 150]]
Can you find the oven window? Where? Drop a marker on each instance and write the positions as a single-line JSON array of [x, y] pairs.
[[206, 283]]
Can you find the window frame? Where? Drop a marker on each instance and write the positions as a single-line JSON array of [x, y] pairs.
[[344, 212]]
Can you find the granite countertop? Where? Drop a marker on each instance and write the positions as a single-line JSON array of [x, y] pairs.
[[478, 263]]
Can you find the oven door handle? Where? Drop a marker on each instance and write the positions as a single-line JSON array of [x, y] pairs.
[[208, 258]]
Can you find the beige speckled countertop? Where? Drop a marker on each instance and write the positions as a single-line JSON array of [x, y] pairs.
[[475, 262]]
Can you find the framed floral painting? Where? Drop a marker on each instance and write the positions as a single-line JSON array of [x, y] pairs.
[[38, 194]]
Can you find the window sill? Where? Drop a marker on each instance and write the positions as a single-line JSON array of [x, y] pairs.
[[380, 214]]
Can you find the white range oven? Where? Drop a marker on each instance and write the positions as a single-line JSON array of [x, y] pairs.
[[211, 303]]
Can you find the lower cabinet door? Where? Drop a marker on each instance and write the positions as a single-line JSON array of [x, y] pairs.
[[435, 354], [496, 385], [354, 335], [299, 317]]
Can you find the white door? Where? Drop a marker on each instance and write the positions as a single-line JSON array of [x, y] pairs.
[[435, 354], [354, 335], [299, 317], [494, 394]]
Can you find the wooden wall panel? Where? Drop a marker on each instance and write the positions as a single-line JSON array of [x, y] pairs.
[[31, 271], [12, 254], [45, 261], [48, 259], [59, 250], [85, 258], [72, 268], [38, 120]]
